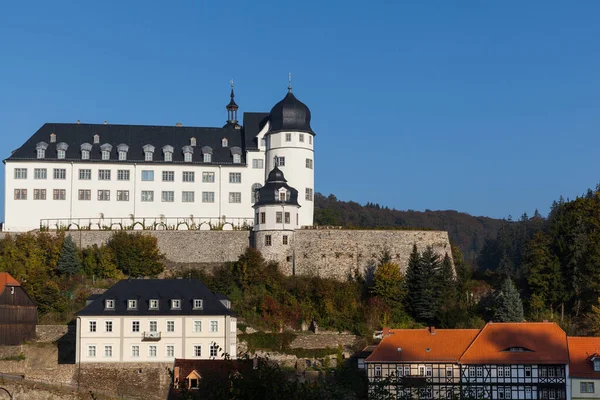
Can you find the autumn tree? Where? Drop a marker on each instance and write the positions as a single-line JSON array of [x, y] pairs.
[[136, 254]]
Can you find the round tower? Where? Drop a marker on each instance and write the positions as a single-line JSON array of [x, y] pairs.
[[290, 147]]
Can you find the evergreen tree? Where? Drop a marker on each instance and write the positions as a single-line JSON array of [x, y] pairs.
[[509, 307], [413, 282], [445, 281], [421, 277], [68, 262]]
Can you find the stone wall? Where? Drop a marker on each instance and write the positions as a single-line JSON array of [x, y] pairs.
[[51, 333]]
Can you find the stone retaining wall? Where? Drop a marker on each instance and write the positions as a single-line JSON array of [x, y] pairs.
[[51, 333]]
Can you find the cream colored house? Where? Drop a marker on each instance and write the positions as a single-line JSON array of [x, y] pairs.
[[584, 367]]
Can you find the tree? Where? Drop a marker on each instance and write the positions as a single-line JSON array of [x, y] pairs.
[[509, 307], [136, 254], [421, 277], [594, 319], [68, 262], [413, 281], [388, 284]]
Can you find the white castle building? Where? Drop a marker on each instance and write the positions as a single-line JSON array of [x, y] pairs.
[[94, 176]]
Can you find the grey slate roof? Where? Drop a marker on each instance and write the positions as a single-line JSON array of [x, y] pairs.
[[269, 193], [164, 290], [253, 123], [290, 114]]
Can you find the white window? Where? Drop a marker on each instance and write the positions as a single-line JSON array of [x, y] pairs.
[[122, 155], [85, 154], [214, 326], [192, 141], [543, 371], [398, 370], [40, 173], [105, 155], [235, 197], [122, 195], [20, 173], [168, 176], [527, 392], [187, 197], [170, 326], [131, 304], [153, 304], [110, 304], [92, 351], [237, 158], [39, 194], [214, 350], [188, 176], [471, 372], [235, 177], [596, 365], [449, 372], [103, 195], [377, 371], [224, 142], [507, 372], [147, 175], [551, 372], [309, 163], [421, 371], [527, 372], [207, 157], [61, 154], [60, 173], [197, 304], [85, 174], [59, 194], [122, 174], [263, 142], [500, 372], [197, 326], [309, 139], [197, 351], [428, 371], [20, 194], [551, 394], [170, 350], [406, 370], [257, 163], [308, 194], [104, 174], [268, 241], [208, 177], [152, 351], [280, 162], [135, 326], [587, 387], [153, 326], [168, 156], [41, 153], [135, 350], [147, 195], [148, 156], [208, 197], [278, 217], [176, 304], [92, 326], [301, 137], [108, 325], [263, 218], [187, 157], [168, 196], [288, 137], [479, 372]]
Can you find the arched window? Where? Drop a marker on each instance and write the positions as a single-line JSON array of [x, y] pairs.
[[85, 151], [96, 139], [207, 154], [148, 152], [224, 142], [188, 152], [255, 192], [168, 153], [61, 150], [192, 141], [52, 138], [122, 149], [41, 149], [106, 148]]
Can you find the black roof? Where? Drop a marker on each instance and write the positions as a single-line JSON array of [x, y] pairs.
[[269, 194], [290, 114], [163, 290], [253, 123]]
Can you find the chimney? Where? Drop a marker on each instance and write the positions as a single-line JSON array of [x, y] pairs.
[[52, 138], [386, 332], [78, 122], [432, 330], [105, 123], [178, 124]]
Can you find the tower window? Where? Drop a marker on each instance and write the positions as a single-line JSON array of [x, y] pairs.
[[268, 240], [192, 141], [309, 139], [280, 161], [301, 137], [52, 138], [285, 239], [288, 137]]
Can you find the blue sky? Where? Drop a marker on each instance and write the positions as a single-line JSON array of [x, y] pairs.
[[486, 107]]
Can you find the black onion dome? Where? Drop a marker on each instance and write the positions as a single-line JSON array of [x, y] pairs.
[[269, 194], [276, 176], [290, 114]]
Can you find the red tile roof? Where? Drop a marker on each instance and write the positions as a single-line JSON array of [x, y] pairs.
[[546, 340], [581, 351], [422, 345], [7, 279]]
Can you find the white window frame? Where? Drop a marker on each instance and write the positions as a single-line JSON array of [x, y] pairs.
[[135, 350], [39, 194], [168, 176], [132, 304], [108, 326], [377, 371], [123, 174], [197, 326], [147, 196], [301, 137], [122, 195], [105, 155], [135, 326], [214, 326], [198, 304], [170, 326], [208, 177], [170, 350], [187, 157], [40, 173], [235, 177], [258, 163], [61, 154], [91, 351], [308, 194], [208, 197], [122, 155], [288, 137], [167, 196], [188, 196], [85, 174], [60, 173], [188, 176], [152, 351], [20, 173], [147, 175], [214, 350], [176, 304], [237, 158], [85, 154], [235, 197], [109, 304], [207, 157], [197, 350], [104, 174], [153, 326], [103, 195], [92, 326], [153, 304]]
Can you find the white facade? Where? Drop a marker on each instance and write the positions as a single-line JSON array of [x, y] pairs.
[[155, 338]]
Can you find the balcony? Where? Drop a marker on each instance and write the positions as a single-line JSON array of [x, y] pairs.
[[151, 336]]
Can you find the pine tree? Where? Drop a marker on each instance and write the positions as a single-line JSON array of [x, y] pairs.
[[445, 281], [509, 307], [68, 262], [412, 280]]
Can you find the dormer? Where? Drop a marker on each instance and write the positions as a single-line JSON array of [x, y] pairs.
[[188, 152], [122, 149], [207, 154], [86, 148], [109, 304], [168, 153], [517, 349], [148, 152], [193, 141], [175, 304], [106, 148], [132, 304], [198, 304], [596, 363], [193, 380], [52, 137], [224, 142], [96, 139], [41, 149], [153, 304], [236, 152], [283, 194], [61, 150]]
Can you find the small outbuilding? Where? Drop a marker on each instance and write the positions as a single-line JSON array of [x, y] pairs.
[[18, 312]]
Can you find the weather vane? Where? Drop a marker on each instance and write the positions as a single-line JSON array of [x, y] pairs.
[[231, 81]]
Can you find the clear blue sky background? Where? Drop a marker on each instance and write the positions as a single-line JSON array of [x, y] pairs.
[[487, 107]]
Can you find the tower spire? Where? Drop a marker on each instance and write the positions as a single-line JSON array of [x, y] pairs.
[[232, 107], [289, 82]]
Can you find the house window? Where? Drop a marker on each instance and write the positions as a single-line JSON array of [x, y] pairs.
[[197, 304], [105, 155], [168, 196], [214, 350], [135, 326], [428, 371], [122, 195], [288, 137], [153, 304], [268, 240], [551, 372], [282, 196], [197, 351], [527, 392], [263, 217], [479, 372], [135, 351], [421, 371], [224, 142], [310, 139], [60, 173], [170, 326], [92, 326], [197, 326], [122, 174], [85, 194], [527, 372], [378, 371], [108, 325], [40, 173], [471, 372], [170, 351], [152, 351], [309, 163], [287, 217], [507, 372], [543, 371], [308, 194], [61, 154], [449, 372], [263, 142], [206, 157], [148, 156], [175, 304], [301, 137], [147, 175], [110, 304], [147, 195], [285, 239], [85, 154], [596, 365], [552, 394], [168, 156], [187, 197], [91, 351], [59, 194], [280, 162], [587, 387], [208, 197], [235, 177], [20, 194], [104, 174], [237, 158], [188, 176], [168, 176], [235, 197], [85, 174], [122, 155], [39, 194], [406, 370], [257, 164], [41, 153], [278, 217], [187, 157], [153, 326], [131, 304], [208, 177], [214, 326], [192, 141], [103, 195], [500, 372], [20, 173]]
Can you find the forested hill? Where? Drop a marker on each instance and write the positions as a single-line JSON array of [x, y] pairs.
[[465, 230]]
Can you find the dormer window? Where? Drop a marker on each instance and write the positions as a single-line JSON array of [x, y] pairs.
[[61, 150], [148, 152], [198, 303], [109, 304], [41, 149], [106, 149], [224, 142], [193, 141], [175, 304], [596, 365], [122, 149], [132, 304], [236, 152], [52, 138], [154, 304], [85, 151], [188, 151], [168, 153], [96, 139], [207, 154]]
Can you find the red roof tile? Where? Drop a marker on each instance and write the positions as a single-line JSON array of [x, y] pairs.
[[581, 351], [7, 279]]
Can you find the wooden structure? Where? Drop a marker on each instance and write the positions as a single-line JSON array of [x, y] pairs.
[[18, 313]]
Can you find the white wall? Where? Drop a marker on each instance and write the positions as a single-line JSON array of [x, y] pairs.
[[576, 389], [271, 217]]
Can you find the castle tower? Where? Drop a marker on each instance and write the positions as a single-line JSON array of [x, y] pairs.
[[232, 108], [290, 147]]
